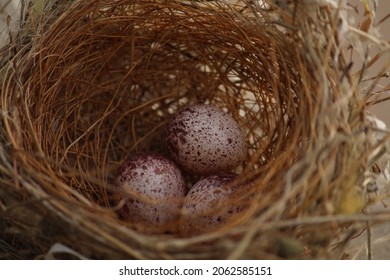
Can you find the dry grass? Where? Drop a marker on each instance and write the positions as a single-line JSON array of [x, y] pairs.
[[85, 85]]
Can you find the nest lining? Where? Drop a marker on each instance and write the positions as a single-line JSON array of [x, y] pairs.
[[101, 82]]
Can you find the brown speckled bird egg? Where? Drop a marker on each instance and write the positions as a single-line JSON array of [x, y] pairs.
[[153, 189], [208, 204], [204, 140]]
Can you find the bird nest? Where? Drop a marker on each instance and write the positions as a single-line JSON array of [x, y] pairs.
[[86, 83]]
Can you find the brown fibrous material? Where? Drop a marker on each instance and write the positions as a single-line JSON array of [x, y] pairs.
[[101, 79]]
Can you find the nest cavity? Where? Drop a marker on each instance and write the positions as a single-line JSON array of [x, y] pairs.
[[99, 80]]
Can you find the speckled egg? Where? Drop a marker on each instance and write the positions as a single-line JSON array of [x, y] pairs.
[[204, 140], [153, 189], [208, 204]]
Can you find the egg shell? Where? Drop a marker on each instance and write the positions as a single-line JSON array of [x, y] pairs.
[[204, 140], [153, 189], [208, 206]]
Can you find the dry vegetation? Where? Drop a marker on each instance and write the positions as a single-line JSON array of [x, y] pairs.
[[88, 82]]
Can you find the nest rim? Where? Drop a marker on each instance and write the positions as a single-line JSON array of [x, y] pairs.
[[301, 165]]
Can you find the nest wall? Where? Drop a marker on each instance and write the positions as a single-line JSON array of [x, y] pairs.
[[102, 80]]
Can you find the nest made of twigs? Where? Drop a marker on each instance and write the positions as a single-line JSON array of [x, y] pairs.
[[99, 80]]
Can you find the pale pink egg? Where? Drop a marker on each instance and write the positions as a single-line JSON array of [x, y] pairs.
[[153, 189], [204, 140], [210, 203]]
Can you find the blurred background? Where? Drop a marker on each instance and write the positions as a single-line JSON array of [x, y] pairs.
[[381, 110]]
